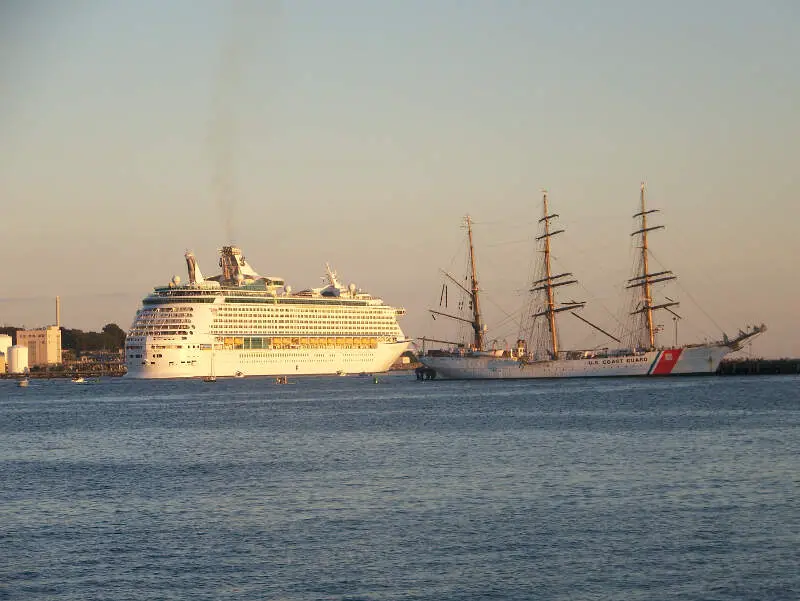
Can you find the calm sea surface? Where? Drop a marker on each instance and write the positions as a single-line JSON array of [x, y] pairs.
[[343, 489]]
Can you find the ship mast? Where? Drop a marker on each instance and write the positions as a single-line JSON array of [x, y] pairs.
[[645, 279], [646, 289], [472, 292], [550, 281], [477, 325], [551, 315]]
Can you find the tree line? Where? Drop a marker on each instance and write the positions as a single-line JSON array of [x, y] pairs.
[[110, 338]]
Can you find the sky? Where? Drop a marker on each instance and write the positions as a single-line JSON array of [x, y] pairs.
[[360, 133]]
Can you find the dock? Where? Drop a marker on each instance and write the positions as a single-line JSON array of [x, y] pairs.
[[759, 367]]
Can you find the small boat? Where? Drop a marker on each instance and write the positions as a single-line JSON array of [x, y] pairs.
[[238, 374], [341, 372], [23, 383], [78, 380], [209, 378], [281, 380]]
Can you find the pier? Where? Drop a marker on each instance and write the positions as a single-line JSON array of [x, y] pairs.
[[759, 367]]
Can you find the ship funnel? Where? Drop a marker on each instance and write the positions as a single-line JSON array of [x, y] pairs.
[[195, 277]]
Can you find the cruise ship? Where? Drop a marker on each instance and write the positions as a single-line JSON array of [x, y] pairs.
[[239, 323]]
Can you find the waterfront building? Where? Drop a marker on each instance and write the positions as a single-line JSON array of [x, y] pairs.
[[5, 343], [18, 359], [44, 345]]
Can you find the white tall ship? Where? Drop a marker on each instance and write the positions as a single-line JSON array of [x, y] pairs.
[[239, 323], [539, 353]]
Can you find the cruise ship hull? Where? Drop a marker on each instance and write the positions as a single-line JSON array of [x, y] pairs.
[[700, 359], [300, 362]]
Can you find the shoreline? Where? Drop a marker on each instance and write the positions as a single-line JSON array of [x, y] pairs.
[[737, 367]]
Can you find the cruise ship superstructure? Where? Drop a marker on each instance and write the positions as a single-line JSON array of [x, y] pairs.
[[241, 323]]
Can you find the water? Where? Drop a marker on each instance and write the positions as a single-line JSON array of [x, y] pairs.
[[342, 489]]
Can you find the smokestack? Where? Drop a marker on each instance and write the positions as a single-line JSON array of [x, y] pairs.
[[58, 311]]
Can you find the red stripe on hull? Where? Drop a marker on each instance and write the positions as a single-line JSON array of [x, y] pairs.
[[667, 362]]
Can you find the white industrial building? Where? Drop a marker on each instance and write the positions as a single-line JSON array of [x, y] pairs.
[[5, 344], [18, 359]]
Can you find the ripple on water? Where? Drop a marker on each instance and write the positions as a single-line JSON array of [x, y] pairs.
[[336, 488]]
